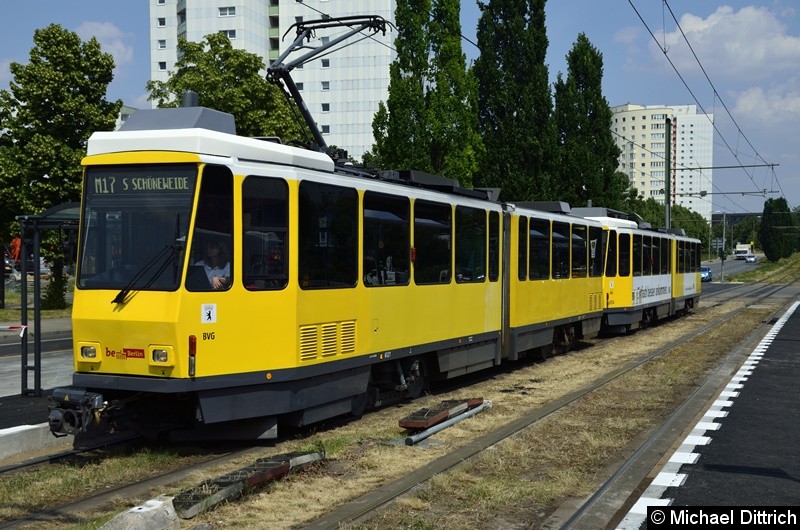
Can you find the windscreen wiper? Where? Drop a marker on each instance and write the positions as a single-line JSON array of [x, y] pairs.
[[172, 250]]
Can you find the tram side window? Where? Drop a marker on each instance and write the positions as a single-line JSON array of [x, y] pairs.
[[494, 246], [265, 224], [625, 254], [647, 256], [470, 244], [611, 260], [560, 257], [665, 256], [211, 264], [689, 257], [387, 239], [522, 255], [328, 236], [656, 254], [432, 233], [681, 257], [540, 249], [579, 247], [597, 251], [637, 255]]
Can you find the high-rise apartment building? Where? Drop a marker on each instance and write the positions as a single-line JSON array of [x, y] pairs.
[[640, 132], [341, 89]]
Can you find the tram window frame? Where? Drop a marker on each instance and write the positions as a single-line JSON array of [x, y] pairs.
[[611, 254], [579, 268], [327, 236], [124, 227], [625, 254], [494, 246], [430, 265], [656, 256], [596, 256], [213, 223], [470, 244], [647, 255], [386, 236], [265, 233], [637, 254], [539, 248], [522, 248], [560, 262], [687, 257]]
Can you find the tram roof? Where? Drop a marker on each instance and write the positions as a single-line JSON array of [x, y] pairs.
[[201, 131]]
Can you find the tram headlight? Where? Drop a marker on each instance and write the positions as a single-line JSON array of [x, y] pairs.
[[160, 356], [88, 352]]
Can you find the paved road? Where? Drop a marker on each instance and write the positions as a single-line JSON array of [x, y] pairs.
[[56, 371]]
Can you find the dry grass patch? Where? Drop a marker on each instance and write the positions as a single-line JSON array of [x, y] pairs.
[[29, 491], [566, 454]]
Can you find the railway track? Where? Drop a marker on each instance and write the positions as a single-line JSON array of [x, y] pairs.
[[70, 512], [362, 508]]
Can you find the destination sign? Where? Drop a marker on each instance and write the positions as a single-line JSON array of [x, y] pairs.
[[110, 184]]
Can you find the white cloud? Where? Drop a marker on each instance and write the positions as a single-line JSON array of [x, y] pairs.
[[751, 44], [141, 101], [771, 107], [627, 35], [112, 40]]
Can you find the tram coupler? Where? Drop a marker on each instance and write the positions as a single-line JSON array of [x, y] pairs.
[[72, 410]]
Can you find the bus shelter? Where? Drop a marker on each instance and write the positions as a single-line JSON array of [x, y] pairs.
[[63, 218]]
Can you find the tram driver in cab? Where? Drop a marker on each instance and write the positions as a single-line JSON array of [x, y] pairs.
[[216, 265]]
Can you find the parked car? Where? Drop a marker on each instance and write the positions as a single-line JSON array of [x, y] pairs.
[[705, 274], [750, 258]]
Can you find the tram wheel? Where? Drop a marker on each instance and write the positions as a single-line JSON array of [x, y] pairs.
[[415, 379]]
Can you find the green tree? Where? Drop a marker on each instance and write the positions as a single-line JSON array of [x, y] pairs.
[[747, 231], [650, 210], [228, 80], [454, 140], [778, 233], [694, 224], [52, 106], [400, 126], [50, 109], [514, 101], [429, 120], [588, 155]]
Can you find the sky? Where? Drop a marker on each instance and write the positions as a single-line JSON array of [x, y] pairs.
[[742, 66]]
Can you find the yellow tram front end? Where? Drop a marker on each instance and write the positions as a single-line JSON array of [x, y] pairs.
[[136, 214], [166, 316]]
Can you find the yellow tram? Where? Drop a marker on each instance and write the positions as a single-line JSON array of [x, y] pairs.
[[229, 285]]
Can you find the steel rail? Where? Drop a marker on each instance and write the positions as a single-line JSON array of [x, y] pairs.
[[361, 508]]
